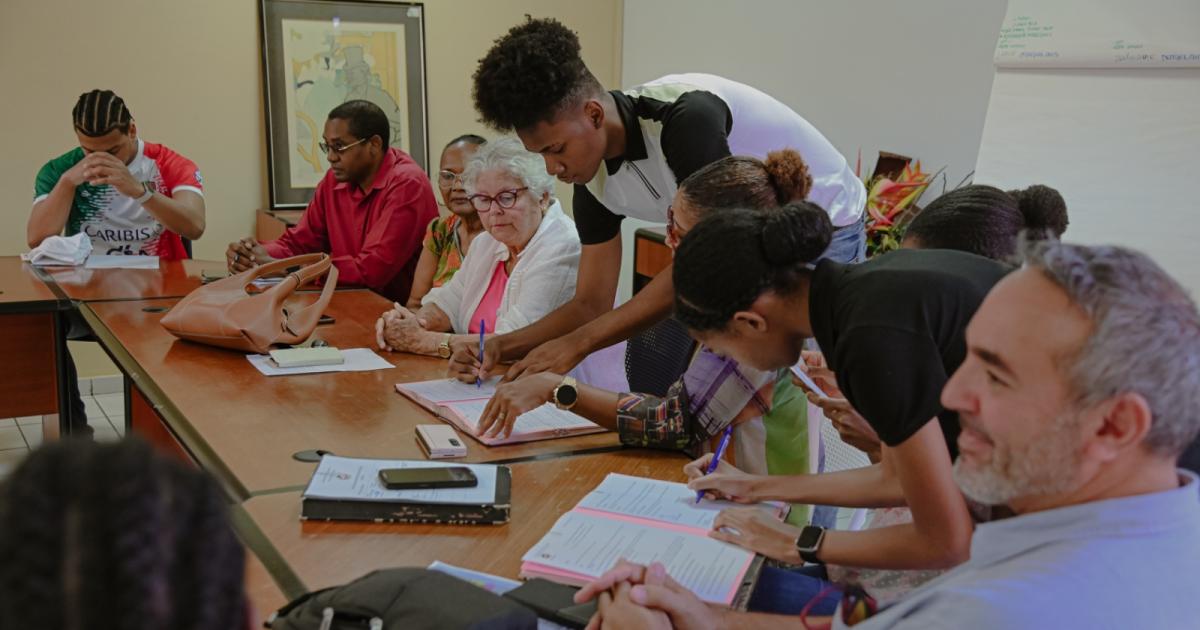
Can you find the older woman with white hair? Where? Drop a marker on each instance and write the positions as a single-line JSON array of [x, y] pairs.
[[521, 269]]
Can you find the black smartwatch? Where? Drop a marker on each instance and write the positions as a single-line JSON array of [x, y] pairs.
[[566, 394], [809, 542]]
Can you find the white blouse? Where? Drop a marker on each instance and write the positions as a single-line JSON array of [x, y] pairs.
[[542, 280]]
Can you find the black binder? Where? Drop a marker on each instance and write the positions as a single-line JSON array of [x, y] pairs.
[[494, 513]]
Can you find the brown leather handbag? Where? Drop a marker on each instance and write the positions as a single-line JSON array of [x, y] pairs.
[[227, 313]]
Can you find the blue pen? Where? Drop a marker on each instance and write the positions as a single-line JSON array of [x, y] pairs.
[[482, 326], [716, 457]]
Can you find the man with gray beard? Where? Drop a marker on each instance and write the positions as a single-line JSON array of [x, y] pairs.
[[1080, 389]]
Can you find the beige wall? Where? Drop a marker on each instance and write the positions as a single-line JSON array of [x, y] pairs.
[[191, 74]]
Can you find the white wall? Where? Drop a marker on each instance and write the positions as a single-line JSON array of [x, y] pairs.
[[910, 77]]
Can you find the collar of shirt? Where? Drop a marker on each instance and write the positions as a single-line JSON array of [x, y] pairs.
[[1125, 516], [382, 176], [553, 213], [635, 146]]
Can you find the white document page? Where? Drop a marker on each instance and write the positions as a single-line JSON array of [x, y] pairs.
[[544, 418], [106, 261], [590, 545], [653, 499], [450, 389], [347, 478], [357, 360]]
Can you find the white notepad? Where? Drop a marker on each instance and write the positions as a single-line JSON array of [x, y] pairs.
[[462, 404]]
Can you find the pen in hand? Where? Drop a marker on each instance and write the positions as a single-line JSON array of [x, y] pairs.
[[712, 465], [482, 325]]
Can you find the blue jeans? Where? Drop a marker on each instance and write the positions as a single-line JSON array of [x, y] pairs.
[[788, 591], [849, 243]]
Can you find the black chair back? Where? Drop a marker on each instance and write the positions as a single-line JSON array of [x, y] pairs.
[[657, 357]]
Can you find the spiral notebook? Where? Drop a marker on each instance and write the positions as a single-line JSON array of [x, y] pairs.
[[462, 404], [646, 520]]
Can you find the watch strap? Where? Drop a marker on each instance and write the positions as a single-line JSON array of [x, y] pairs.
[[809, 554], [146, 194]]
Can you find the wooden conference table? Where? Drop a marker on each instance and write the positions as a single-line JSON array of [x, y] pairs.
[[32, 382], [173, 279], [211, 407], [313, 555]]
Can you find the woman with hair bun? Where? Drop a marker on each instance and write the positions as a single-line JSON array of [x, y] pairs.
[[749, 286], [985, 220]]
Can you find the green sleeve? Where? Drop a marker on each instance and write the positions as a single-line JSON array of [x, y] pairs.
[[47, 177]]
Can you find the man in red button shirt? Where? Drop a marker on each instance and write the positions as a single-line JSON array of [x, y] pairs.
[[369, 212]]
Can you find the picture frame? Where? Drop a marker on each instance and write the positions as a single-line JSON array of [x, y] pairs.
[[317, 54]]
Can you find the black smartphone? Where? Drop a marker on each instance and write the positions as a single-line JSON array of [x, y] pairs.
[[425, 478], [325, 320]]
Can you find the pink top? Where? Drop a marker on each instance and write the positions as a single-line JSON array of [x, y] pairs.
[[490, 304]]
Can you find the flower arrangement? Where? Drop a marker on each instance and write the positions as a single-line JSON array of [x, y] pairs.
[[892, 200]]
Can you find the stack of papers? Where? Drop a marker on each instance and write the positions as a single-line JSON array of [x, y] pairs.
[[357, 360]]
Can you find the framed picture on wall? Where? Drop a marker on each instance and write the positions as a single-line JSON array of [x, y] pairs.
[[318, 54]]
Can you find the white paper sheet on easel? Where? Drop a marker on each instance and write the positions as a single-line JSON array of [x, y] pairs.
[[108, 261], [357, 360]]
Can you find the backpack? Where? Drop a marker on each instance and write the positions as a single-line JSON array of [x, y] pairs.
[[406, 598]]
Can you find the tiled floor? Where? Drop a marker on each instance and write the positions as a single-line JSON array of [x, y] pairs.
[[106, 414]]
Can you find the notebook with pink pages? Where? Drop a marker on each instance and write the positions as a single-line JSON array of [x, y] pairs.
[[462, 404], [647, 520]]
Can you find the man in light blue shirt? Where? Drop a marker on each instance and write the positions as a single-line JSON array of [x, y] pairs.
[[1080, 389]]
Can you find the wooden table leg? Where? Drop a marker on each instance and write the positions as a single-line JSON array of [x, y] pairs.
[[143, 420]]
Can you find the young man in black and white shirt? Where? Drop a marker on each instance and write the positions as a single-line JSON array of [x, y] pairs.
[[625, 152]]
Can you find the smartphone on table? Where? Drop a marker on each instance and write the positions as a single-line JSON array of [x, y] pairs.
[[427, 478]]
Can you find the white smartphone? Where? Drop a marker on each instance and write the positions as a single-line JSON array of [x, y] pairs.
[[440, 441]]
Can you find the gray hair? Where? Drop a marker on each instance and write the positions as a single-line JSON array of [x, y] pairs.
[[509, 156], [1145, 337]]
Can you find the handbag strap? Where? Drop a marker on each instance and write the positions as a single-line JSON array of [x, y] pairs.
[[312, 266], [307, 317]]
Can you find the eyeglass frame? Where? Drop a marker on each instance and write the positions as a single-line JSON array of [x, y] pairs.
[[455, 177], [326, 148], [515, 192], [672, 227]]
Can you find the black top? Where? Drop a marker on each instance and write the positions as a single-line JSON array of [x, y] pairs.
[[893, 331], [694, 133]]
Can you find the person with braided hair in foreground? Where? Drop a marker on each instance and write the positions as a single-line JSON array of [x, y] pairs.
[[117, 537]]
